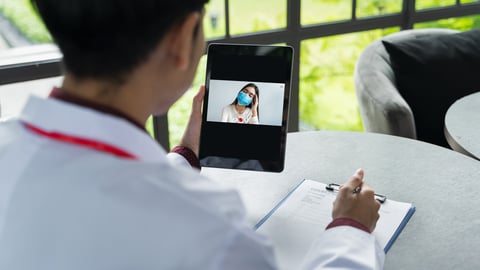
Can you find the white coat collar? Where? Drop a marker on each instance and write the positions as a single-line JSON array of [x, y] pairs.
[[69, 119]]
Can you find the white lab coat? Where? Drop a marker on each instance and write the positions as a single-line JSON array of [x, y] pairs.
[[64, 206]]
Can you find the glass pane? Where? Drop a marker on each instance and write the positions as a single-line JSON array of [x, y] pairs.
[[149, 126], [327, 98], [424, 4], [248, 16], [368, 8], [21, 25], [461, 23], [322, 11], [214, 20]]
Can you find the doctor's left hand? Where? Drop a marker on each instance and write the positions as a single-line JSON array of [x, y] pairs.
[[191, 136]]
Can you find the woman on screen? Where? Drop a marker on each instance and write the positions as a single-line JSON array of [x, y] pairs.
[[244, 109]]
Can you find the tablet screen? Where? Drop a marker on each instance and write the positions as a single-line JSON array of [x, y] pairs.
[[245, 109]]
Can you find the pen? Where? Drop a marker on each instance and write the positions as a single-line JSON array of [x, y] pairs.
[[336, 187]]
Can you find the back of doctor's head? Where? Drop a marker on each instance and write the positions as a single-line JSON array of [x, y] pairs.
[[107, 39]]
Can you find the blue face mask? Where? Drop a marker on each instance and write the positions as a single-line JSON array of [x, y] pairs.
[[244, 99]]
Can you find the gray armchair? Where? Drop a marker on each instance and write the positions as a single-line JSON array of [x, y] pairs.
[[383, 109]]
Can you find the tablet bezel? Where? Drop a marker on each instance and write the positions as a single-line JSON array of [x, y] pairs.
[[241, 63]]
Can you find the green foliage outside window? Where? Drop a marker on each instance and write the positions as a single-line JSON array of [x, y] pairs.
[[21, 13], [315, 11], [426, 4], [327, 98]]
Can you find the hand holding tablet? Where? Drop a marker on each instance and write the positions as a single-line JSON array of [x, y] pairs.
[[245, 109]]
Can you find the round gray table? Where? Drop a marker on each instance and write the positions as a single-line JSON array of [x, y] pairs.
[[443, 185], [462, 125]]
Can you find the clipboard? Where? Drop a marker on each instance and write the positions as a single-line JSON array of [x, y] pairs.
[[296, 219]]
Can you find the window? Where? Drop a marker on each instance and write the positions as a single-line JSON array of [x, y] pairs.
[[327, 98], [424, 4], [366, 8], [21, 26], [256, 16], [315, 12]]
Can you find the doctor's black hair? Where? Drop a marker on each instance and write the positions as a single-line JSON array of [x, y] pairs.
[[107, 39]]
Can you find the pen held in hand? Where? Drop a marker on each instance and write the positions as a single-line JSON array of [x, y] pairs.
[[336, 188]]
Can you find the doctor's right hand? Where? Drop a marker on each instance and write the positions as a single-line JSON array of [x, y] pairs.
[[356, 200]]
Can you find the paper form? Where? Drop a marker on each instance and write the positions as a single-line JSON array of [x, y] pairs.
[[299, 219]]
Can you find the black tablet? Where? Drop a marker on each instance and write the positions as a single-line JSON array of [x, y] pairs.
[[245, 109]]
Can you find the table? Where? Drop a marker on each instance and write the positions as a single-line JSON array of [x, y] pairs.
[[444, 185], [462, 125]]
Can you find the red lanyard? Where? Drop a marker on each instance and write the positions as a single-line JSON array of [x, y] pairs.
[[98, 146]]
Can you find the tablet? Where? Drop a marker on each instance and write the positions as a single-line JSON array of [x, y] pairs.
[[245, 109]]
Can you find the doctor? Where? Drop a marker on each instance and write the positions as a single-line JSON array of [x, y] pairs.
[[84, 186]]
